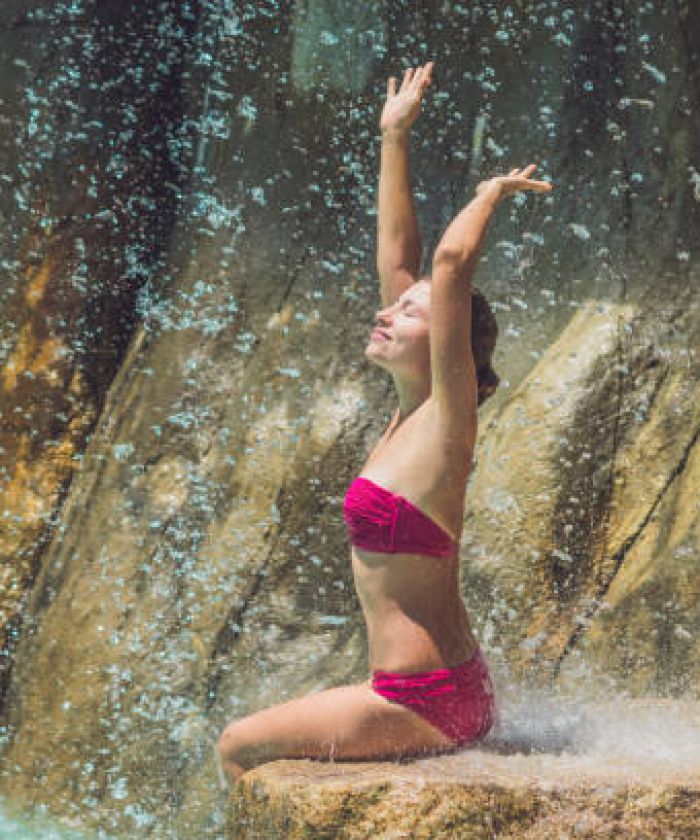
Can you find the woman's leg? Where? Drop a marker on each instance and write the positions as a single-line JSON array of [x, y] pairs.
[[348, 722]]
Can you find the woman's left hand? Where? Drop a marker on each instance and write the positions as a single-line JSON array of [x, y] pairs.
[[517, 180]]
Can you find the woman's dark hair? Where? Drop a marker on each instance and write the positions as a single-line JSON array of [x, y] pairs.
[[484, 334]]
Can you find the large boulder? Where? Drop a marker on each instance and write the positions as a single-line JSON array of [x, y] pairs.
[[591, 781], [79, 237], [582, 532]]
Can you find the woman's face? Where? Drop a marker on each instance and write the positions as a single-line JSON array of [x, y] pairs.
[[400, 339]]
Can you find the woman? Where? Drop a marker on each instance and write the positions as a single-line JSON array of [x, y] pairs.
[[430, 689]]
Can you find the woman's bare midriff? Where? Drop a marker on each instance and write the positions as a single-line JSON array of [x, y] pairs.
[[416, 619]]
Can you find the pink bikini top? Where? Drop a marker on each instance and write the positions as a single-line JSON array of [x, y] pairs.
[[379, 520]]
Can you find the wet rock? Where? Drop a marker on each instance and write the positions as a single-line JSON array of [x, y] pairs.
[[475, 794], [578, 524], [87, 173], [336, 45]]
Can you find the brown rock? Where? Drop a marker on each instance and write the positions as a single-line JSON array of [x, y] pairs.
[[582, 536], [474, 794]]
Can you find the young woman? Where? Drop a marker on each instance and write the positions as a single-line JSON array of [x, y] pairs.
[[430, 689]]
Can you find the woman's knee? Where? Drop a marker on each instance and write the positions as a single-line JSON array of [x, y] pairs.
[[231, 760], [237, 743], [230, 740], [231, 746]]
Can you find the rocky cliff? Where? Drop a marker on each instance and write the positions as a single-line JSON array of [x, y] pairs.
[[190, 285]]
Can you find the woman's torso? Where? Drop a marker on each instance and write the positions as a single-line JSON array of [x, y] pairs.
[[415, 615]]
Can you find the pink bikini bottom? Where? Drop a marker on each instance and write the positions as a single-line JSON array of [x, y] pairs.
[[459, 701]]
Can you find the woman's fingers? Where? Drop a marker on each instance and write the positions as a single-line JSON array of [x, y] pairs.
[[415, 76], [520, 179], [526, 172], [391, 86], [425, 72], [408, 74], [538, 186], [523, 177]]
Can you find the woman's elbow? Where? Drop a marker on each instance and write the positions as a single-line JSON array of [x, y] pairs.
[[446, 258]]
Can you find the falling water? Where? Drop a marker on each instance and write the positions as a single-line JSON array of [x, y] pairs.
[[187, 238]]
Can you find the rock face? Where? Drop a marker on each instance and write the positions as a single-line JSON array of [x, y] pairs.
[[78, 241], [482, 800], [178, 428], [581, 526], [478, 794]]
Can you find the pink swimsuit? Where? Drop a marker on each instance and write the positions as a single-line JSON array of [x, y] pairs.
[[379, 520], [459, 701]]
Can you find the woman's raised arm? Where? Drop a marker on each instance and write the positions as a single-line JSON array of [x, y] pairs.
[[461, 243], [453, 375], [399, 250]]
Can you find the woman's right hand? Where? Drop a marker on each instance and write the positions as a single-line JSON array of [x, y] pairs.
[[401, 109]]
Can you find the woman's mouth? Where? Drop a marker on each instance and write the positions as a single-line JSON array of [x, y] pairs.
[[379, 334]]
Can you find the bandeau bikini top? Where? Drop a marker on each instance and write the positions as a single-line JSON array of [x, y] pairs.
[[379, 520]]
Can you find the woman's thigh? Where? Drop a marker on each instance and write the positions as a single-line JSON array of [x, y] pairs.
[[348, 722]]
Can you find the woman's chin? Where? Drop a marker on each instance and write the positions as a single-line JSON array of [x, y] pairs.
[[371, 353], [376, 358]]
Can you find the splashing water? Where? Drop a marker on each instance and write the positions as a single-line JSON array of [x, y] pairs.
[[37, 828], [644, 740]]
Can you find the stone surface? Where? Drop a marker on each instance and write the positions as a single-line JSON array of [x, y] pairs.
[[475, 794], [87, 171], [336, 45], [583, 529]]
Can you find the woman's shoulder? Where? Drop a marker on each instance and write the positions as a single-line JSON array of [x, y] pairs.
[[423, 449]]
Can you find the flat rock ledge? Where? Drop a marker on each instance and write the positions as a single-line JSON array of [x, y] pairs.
[[473, 794]]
